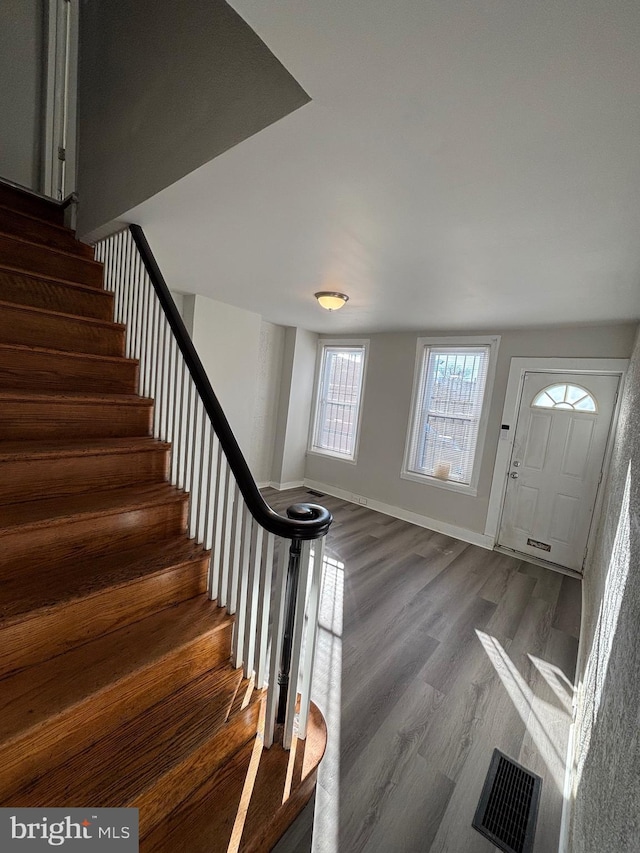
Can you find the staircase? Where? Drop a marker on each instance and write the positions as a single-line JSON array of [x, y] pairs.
[[116, 687]]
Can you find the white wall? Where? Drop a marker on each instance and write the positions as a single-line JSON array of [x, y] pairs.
[[179, 299], [265, 415], [228, 342], [243, 356], [385, 416], [21, 74], [296, 392]]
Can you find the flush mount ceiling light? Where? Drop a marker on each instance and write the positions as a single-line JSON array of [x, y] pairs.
[[331, 300]]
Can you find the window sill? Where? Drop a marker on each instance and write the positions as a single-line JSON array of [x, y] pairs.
[[341, 457], [449, 485]]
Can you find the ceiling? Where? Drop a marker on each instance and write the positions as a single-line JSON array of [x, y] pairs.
[[462, 164]]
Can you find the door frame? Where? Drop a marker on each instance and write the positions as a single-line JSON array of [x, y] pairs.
[[513, 397], [59, 150]]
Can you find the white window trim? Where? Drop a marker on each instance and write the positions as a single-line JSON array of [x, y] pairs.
[[493, 342], [337, 342]]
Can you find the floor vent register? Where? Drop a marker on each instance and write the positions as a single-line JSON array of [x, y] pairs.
[[508, 807]]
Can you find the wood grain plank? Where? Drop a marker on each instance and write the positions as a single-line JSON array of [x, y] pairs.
[[91, 524], [111, 465], [366, 702], [17, 199], [55, 294], [567, 615], [31, 416], [39, 327], [443, 667], [387, 758], [33, 258], [38, 370], [548, 583], [45, 233], [75, 601]]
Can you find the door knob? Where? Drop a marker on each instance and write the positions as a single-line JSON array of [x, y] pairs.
[[514, 475]]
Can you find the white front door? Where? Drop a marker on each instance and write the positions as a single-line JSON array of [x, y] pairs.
[[558, 452]]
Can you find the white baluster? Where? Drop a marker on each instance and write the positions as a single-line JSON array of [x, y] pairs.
[[311, 639], [253, 596], [234, 573], [220, 480], [237, 652], [214, 576], [277, 635], [262, 645], [227, 539]]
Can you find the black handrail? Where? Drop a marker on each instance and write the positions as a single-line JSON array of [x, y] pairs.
[[311, 521]]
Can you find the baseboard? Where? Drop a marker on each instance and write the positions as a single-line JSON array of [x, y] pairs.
[[281, 487], [567, 794], [480, 539], [567, 802]]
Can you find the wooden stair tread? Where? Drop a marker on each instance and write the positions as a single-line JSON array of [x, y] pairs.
[[22, 288], [58, 371], [65, 397], [249, 802], [31, 514], [39, 259], [50, 234], [46, 277], [91, 356], [54, 250], [47, 327], [40, 693], [47, 312], [63, 229], [45, 585], [149, 746], [25, 200], [23, 450]]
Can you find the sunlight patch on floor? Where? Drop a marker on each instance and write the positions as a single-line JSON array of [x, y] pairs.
[[327, 696], [557, 681], [545, 722]]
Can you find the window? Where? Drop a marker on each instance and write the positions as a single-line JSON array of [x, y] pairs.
[[565, 396], [338, 397], [453, 380]]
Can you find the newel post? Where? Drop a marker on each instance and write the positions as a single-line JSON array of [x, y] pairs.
[[298, 512]]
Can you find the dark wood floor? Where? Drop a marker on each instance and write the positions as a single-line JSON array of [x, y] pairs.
[[432, 653]]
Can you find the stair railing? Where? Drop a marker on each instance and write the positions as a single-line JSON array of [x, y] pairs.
[[265, 568]]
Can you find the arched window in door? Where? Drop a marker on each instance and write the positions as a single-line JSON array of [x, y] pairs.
[[565, 396]]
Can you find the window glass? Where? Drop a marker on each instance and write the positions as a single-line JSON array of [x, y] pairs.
[[565, 396], [447, 409], [338, 398]]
